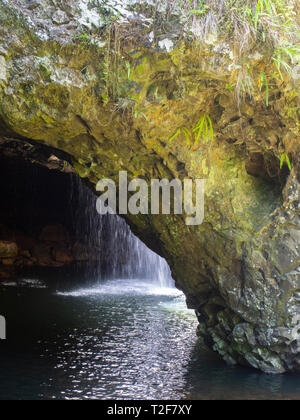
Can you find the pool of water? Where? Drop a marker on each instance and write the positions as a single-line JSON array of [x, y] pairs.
[[117, 340]]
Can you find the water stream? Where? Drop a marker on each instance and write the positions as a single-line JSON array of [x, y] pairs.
[[124, 254]]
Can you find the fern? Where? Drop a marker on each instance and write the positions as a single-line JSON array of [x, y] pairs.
[[204, 129], [285, 158], [187, 134], [175, 135]]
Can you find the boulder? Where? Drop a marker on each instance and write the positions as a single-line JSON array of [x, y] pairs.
[[6, 273], [62, 255], [8, 261], [54, 233], [42, 254], [8, 250], [60, 17]]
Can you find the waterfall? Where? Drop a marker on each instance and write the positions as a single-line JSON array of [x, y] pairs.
[[121, 253]]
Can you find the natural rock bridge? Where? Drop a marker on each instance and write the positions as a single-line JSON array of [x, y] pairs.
[[107, 100]]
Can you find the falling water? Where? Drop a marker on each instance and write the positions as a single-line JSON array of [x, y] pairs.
[[121, 254]]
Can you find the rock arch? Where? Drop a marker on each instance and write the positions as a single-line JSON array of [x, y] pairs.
[[240, 268]]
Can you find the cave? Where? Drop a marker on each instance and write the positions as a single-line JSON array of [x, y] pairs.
[[49, 221]]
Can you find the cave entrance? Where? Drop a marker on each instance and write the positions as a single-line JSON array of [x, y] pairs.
[[49, 225], [91, 311]]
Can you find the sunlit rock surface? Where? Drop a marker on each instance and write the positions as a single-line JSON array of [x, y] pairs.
[[112, 98]]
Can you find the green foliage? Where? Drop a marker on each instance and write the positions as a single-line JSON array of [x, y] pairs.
[[244, 83], [113, 64], [263, 81], [46, 72], [229, 87], [107, 12], [282, 55], [201, 11], [273, 18], [264, 7], [116, 71], [140, 113], [285, 158], [175, 135], [185, 132], [188, 136], [247, 85], [128, 66], [245, 21], [204, 129], [84, 39]]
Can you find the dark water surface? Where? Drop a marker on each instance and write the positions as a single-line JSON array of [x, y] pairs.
[[119, 340]]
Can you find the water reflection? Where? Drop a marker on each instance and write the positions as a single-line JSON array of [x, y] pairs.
[[131, 357], [209, 378], [131, 342]]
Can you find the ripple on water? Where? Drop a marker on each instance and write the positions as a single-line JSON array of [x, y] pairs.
[[118, 340], [124, 287], [143, 352]]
